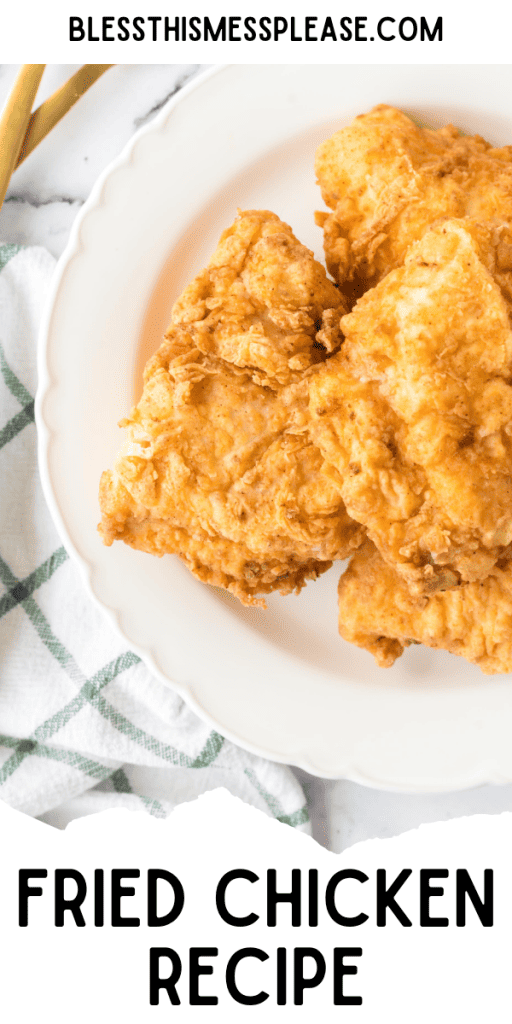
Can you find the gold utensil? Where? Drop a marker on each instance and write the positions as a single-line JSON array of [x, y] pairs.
[[53, 109], [20, 129], [15, 118]]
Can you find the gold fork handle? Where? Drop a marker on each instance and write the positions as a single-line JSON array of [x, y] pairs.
[[14, 120]]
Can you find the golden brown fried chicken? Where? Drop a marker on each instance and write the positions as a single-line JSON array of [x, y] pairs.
[[218, 466], [387, 181], [263, 302], [378, 612], [414, 414]]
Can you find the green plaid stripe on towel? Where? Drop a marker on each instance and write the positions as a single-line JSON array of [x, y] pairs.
[[83, 724]]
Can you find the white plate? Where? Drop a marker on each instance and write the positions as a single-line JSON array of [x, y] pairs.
[[280, 682]]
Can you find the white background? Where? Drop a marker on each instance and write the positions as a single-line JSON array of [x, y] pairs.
[[473, 33], [405, 974]]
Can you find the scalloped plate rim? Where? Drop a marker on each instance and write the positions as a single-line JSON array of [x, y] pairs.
[[479, 774]]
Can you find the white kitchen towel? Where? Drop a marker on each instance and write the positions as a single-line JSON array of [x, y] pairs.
[[83, 723]]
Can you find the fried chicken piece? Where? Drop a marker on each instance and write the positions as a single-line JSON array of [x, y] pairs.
[[263, 302], [378, 612], [414, 414], [387, 181], [218, 466]]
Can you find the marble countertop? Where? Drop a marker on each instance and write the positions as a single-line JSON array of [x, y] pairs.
[[43, 199]]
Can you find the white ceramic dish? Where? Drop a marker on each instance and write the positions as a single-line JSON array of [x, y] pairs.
[[279, 682]]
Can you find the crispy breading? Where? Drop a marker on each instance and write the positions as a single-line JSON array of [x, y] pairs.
[[218, 466], [387, 181], [414, 414], [263, 302], [378, 612]]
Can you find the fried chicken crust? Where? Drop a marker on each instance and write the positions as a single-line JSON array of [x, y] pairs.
[[263, 302], [387, 181], [414, 414], [378, 613], [218, 466]]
